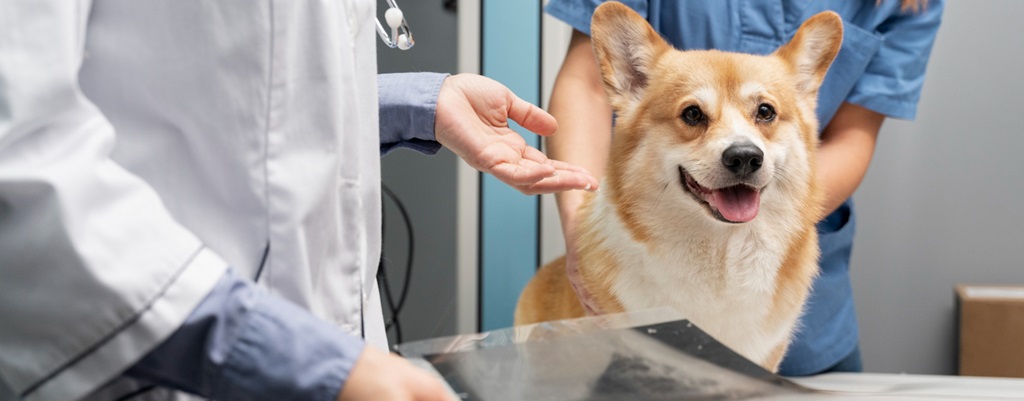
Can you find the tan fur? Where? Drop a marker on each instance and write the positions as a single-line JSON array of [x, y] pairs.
[[558, 301], [647, 239], [548, 296], [776, 356]]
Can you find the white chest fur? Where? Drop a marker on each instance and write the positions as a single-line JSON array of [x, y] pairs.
[[721, 277]]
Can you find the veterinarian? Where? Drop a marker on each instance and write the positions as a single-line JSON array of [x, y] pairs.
[[189, 196], [878, 73]]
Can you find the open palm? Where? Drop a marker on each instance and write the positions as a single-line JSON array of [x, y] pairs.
[[472, 120]]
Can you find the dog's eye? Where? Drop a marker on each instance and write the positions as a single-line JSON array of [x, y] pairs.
[[693, 115], [765, 113]]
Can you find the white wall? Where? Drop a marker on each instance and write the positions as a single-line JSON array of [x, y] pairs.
[[943, 201]]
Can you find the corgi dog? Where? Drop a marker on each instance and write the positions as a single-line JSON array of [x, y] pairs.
[[710, 200]]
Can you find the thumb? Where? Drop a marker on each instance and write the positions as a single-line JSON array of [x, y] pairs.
[[531, 117]]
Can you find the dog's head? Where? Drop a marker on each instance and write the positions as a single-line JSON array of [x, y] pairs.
[[710, 132]]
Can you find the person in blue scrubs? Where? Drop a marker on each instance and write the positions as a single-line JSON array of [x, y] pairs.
[[878, 73]]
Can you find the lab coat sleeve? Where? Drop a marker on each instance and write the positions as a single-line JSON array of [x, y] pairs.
[[94, 272], [407, 103], [241, 343]]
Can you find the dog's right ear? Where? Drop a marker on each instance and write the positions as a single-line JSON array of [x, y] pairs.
[[626, 48]]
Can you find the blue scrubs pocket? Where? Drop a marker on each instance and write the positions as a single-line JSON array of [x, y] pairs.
[[835, 234]]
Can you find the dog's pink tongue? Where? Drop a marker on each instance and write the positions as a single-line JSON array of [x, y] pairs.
[[738, 203]]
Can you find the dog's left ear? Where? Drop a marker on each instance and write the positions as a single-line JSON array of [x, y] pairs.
[[813, 48]]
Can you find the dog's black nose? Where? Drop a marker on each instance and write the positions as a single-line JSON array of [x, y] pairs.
[[743, 159]]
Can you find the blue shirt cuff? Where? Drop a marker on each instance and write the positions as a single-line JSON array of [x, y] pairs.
[[408, 102], [243, 343]]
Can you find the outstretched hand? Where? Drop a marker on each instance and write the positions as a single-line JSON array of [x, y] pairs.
[[472, 120], [378, 375]]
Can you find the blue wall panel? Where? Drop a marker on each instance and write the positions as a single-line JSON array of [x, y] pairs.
[[509, 220]]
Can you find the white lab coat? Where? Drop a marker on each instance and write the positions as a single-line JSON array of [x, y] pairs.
[[146, 145]]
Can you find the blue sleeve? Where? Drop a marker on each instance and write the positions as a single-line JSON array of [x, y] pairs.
[[407, 105], [577, 13], [243, 343], [892, 82]]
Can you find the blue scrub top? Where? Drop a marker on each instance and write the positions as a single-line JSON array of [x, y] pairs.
[[881, 66]]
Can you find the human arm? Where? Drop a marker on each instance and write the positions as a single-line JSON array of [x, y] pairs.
[[95, 270], [890, 86], [472, 119], [845, 151], [407, 105], [584, 134], [400, 381], [244, 343]]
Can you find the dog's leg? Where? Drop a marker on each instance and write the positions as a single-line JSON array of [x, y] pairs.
[[775, 358], [548, 296]]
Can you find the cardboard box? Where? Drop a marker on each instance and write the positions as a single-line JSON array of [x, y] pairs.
[[991, 330]]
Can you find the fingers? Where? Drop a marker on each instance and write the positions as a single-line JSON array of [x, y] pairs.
[[544, 179], [531, 117], [378, 375], [563, 166], [563, 180], [523, 174], [421, 385], [429, 388], [531, 172], [566, 176]]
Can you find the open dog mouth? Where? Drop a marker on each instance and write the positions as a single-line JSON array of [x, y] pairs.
[[735, 204]]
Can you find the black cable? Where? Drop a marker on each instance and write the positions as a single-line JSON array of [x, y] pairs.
[[397, 306], [408, 261], [386, 288], [382, 276]]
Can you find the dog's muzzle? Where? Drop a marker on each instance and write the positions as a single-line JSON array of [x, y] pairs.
[[738, 203]]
